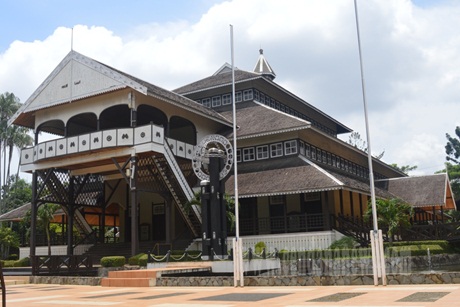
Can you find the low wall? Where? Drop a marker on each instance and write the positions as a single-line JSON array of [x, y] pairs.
[[55, 250]]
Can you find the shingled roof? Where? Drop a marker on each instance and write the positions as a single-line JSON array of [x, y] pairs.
[[298, 175], [253, 121], [217, 80], [420, 191]]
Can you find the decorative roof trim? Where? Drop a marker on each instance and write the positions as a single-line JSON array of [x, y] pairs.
[[291, 192], [84, 60]]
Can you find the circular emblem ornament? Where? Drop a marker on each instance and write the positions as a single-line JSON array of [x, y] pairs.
[[201, 153]]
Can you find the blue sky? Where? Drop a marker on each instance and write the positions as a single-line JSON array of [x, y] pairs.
[[410, 52], [29, 20]]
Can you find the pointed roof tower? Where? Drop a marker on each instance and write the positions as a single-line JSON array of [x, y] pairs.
[[263, 68]]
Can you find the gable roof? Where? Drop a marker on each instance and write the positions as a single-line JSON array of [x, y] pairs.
[[78, 77], [252, 121], [420, 191]]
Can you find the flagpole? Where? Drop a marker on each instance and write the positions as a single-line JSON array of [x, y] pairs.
[[237, 244], [378, 260]]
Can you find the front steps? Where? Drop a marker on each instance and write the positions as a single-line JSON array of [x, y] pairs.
[[146, 278]]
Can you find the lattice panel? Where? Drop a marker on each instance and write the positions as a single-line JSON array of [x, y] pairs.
[[148, 178], [88, 190], [52, 186]]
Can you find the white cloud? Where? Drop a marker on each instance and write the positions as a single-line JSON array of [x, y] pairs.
[[412, 68]]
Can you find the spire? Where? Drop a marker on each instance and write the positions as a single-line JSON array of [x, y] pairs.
[[263, 68]]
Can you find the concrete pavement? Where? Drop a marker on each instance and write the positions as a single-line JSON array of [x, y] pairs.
[[73, 295]]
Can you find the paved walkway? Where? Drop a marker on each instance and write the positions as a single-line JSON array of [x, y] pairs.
[[72, 295]]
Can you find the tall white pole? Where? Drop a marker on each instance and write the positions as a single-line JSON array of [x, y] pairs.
[[237, 259], [377, 257]]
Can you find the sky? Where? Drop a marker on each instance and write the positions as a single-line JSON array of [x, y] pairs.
[[410, 52]]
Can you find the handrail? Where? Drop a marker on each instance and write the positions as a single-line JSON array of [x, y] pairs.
[[177, 171]]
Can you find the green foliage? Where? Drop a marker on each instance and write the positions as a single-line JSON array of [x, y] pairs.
[[134, 260], [8, 238], [24, 262], [15, 193], [13, 257], [45, 215], [392, 214], [143, 260], [343, 243], [453, 215], [405, 168], [453, 172], [326, 254], [453, 146], [229, 204], [113, 261], [259, 247]]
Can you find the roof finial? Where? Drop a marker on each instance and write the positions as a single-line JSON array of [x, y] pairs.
[[263, 68]]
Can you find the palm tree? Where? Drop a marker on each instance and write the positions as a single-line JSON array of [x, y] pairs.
[[9, 104], [45, 214], [392, 214]]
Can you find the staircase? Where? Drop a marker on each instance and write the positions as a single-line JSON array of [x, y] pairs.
[[177, 185], [352, 227]]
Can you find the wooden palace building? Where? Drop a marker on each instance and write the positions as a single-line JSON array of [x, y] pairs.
[[123, 149]]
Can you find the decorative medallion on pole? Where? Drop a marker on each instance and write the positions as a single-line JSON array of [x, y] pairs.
[[212, 161]]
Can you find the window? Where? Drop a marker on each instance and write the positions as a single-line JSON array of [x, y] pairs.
[[302, 148], [248, 154], [247, 95], [324, 157], [206, 102], [226, 99], [276, 150], [334, 161], [290, 147], [318, 154], [308, 150], [313, 152], [329, 161], [272, 103], [238, 155], [277, 200], [277, 105], [256, 95], [216, 101], [262, 97], [262, 152], [282, 107], [238, 97]]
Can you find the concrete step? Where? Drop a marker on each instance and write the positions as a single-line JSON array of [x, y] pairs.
[[146, 278]]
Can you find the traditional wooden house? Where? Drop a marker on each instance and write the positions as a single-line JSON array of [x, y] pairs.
[[123, 147]]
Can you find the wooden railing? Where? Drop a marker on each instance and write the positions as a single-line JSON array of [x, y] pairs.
[[62, 265]]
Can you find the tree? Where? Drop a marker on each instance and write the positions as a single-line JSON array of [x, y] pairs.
[[453, 147], [453, 172], [405, 168], [15, 193], [229, 207], [355, 140], [393, 214], [453, 155], [8, 238], [45, 215], [9, 104]]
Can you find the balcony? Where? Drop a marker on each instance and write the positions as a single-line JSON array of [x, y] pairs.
[[123, 137]]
